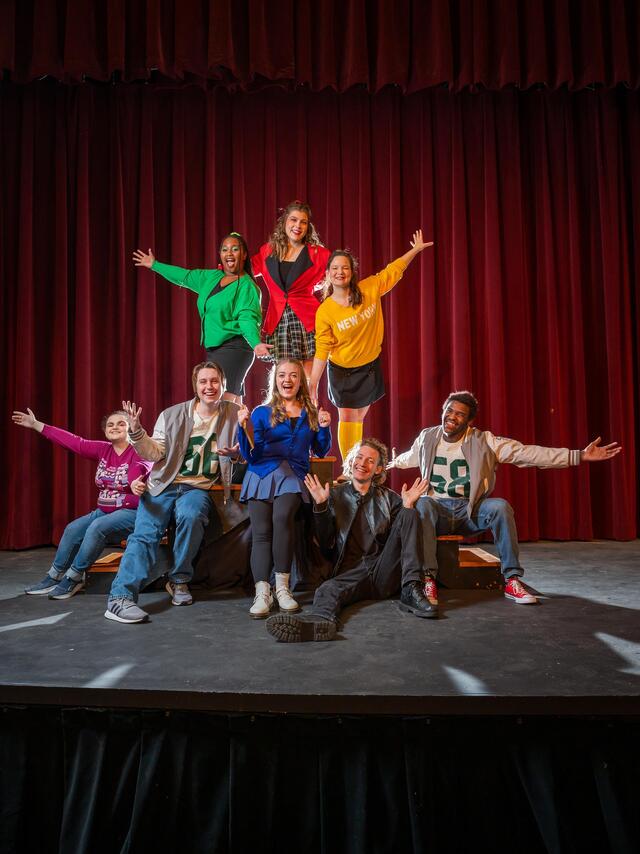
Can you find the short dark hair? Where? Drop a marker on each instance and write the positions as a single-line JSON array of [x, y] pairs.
[[103, 423], [383, 454], [200, 367], [465, 397]]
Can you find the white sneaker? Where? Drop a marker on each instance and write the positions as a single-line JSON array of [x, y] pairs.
[[262, 601], [286, 602]]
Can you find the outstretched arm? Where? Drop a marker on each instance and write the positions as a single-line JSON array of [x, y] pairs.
[[417, 245], [142, 259], [27, 419], [595, 452]]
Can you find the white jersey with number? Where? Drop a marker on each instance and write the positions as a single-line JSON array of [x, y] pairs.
[[449, 477]]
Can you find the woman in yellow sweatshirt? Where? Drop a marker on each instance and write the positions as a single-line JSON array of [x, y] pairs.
[[349, 332]]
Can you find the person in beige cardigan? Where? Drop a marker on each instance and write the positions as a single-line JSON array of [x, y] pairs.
[[192, 447]]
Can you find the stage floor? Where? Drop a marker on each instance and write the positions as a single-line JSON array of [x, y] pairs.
[[575, 653]]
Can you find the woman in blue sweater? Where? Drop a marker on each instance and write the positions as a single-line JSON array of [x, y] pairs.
[[277, 439]]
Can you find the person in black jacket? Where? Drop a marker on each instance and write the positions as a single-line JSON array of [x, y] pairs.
[[370, 533]]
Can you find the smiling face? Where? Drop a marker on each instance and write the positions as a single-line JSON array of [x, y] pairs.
[[366, 465], [288, 380], [340, 271], [115, 428], [455, 420], [232, 256], [208, 386], [296, 226]]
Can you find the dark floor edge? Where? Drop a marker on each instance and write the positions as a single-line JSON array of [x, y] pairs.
[[320, 704]]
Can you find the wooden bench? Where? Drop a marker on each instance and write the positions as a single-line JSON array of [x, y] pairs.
[[468, 568], [321, 466]]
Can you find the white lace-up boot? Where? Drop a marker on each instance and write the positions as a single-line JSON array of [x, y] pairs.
[[286, 602], [262, 601]]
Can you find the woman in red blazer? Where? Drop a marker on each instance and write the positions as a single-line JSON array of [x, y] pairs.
[[292, 263]]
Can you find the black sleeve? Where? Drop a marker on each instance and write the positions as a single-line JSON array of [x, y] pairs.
[[324, 523], [395, 504]]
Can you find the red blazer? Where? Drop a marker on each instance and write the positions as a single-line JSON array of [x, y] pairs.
[[308, 269]]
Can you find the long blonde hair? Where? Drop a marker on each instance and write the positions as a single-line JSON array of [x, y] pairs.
[[279, 242], [273, 398]]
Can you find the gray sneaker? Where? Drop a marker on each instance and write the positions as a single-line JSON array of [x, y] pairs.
[[124, 611], [46, 585], [180, 593]]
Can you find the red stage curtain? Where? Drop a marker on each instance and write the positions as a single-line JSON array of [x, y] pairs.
[[413, 44], [529, 296]]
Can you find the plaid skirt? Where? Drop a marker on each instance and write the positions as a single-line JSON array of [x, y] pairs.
[[290, 339]]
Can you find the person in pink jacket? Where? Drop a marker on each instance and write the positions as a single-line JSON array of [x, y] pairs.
[[120, 478]]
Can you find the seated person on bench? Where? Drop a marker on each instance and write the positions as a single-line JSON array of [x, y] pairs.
[[459, 463], [371, 535], [191, 448], [120, 478]]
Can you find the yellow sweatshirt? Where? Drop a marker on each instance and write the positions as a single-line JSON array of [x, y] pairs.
[[352, 336]]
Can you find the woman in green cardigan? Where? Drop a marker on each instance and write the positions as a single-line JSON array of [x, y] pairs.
[[229, 308]]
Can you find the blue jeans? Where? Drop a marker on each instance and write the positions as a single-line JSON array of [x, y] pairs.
[[84, 539], [191, 507], [449, 516]]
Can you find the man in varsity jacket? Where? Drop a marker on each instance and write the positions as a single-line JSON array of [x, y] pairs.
[[459, 462], [192, 447]]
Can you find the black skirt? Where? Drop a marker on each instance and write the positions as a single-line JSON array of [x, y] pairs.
[[353, 388], [235, 357]]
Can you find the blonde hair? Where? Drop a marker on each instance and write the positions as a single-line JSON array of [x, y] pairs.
[[279, 242], [383, 453], [273, 398]]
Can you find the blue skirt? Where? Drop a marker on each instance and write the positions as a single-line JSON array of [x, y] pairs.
[[281, 481]]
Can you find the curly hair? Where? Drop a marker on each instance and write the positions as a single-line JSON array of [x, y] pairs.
[[383, 454], [355, 294], [279, 242], [466, 397], [274, 399]]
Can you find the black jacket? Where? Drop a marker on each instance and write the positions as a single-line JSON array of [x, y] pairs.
[[334, 519]]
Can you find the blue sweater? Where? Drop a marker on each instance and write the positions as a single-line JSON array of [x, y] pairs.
[[273, 445]]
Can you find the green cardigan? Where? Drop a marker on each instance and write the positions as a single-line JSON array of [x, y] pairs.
[[235, 310]]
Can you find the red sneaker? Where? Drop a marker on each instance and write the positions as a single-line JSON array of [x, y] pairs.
[[515, 589], [431, 590]]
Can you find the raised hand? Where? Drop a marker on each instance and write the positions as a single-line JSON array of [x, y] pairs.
[[318, 492], [243, 416], [324, 417], [411, 494], [417, 242], [27, 419], [262, 350], [392, 462], [594, 452], [140, 259], [133, 415], [139, 486]]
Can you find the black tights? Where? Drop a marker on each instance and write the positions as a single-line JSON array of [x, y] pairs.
[[268, 550]]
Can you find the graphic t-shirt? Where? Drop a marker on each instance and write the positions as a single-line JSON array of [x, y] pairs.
[[200, 466], [450, 473]]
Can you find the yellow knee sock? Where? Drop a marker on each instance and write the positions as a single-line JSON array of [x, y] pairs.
[[349, 433]]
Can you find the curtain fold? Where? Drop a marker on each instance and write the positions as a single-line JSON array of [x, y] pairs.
[[112, 781], [412, 44], [529, 296]]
